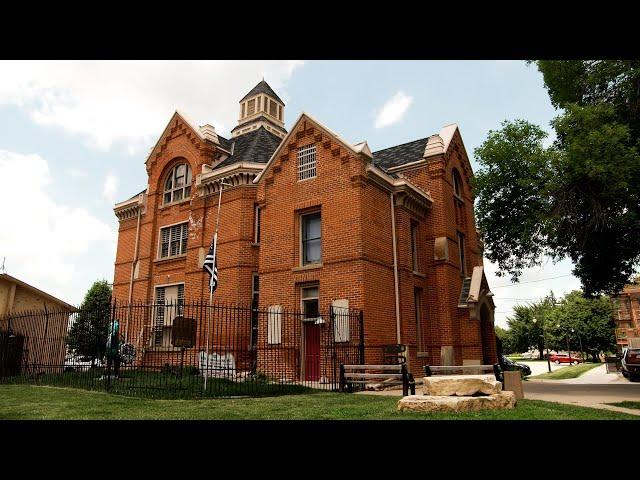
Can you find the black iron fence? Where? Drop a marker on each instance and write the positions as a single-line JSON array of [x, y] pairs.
[[181, 349]]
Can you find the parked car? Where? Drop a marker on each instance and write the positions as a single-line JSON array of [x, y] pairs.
[[508, 364], [559, 358], [630, 364]]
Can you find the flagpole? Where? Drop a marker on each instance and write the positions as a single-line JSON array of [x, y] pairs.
[[215, 247]]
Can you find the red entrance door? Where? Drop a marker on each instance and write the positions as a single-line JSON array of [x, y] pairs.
[[311, 351]]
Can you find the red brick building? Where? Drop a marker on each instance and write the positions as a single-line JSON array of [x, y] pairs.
[[627, 316], [311, 221]]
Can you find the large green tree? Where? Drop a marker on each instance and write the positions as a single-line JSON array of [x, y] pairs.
[[578, 197], [87, 336], [580, 323], [524, 332]]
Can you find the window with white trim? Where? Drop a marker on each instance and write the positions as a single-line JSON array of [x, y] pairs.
[[173, 240], [340, 320], [310, 297], [169, 304], [177, 186], [311, 238], [306, 162], [274, 324]]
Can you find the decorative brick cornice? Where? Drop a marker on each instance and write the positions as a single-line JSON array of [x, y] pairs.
[[237, 174], [130, 208]]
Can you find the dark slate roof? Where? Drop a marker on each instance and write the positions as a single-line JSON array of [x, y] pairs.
[[256, 146], [262, 87], [400, 154], [225, 143]]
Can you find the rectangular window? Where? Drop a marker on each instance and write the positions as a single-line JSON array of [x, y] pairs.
[[168, 305], [279, 112], [243, 109], [341, 320], [173, 240], [417, 301], [251, 106], [306, 162], [461, 257], [256, 225], [310, 297], [274, 324], [414, 246], [311, 238], [273, 108]]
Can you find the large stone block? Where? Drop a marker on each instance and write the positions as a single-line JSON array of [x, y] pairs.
[[461, 385], [429, 403]]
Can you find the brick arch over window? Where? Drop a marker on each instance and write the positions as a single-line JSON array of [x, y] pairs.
[[176, 181]]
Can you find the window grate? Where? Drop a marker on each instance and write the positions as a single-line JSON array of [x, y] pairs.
[[306, 162]]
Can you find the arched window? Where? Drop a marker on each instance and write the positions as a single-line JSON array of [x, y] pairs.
[[457, 183], [177, 186]]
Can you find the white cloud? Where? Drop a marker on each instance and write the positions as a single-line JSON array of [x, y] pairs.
[[534, 284], [130, 102], [77, 173], [43, 240], [393, 110], [110, 187]]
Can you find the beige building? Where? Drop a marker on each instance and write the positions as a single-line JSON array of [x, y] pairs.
[[36, 324], [17, 296]]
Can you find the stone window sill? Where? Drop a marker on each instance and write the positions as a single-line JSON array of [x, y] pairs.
[[313, 266], [173, 204], [170, 259]]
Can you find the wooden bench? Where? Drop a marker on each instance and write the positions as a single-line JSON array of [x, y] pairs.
[[391, 375], [430, 370]]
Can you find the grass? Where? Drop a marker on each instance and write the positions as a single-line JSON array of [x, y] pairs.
[[627, 404], [571, 371], [159, 384], [54, 403]]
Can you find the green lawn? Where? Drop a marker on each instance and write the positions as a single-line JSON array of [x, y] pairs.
[[36, 402], [627, 404], [572, 371]]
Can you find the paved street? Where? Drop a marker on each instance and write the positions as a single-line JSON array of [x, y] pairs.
[[586, 395]]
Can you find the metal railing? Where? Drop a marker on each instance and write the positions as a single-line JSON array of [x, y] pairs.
[[181, 349]]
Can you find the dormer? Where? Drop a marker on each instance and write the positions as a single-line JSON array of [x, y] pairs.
[[261, 107]]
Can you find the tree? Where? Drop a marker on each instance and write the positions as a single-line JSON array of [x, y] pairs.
[[578, 198], [88, 334], [524, 333], [586, 321], [507, 340]]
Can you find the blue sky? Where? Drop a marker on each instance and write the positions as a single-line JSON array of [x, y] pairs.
[[74, 137]]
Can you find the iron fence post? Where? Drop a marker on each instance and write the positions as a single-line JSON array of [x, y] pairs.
[[361, 321]]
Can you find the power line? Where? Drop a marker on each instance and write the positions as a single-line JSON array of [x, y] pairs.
[[530, 281]]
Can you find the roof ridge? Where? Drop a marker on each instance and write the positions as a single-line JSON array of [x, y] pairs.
[[401, 144]]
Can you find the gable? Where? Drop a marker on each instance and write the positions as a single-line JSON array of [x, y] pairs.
[[306, 126], [176, 127]]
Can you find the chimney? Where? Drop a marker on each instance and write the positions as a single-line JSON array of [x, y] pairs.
[[209, 133]]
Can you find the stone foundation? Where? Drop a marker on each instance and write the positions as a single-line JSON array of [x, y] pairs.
[[440, 403]]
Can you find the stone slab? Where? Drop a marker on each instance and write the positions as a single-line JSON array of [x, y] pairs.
[[513, 383], [430, 403], [461, 385]]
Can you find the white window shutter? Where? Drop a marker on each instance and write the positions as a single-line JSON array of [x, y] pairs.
[[341, 320], [274, 324]]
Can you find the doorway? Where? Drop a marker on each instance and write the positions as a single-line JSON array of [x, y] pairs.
[[311, 332]]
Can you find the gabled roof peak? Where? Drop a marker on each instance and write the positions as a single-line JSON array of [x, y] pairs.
[[262, 87]]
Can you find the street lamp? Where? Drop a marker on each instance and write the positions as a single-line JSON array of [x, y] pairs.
[[544, 342]]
